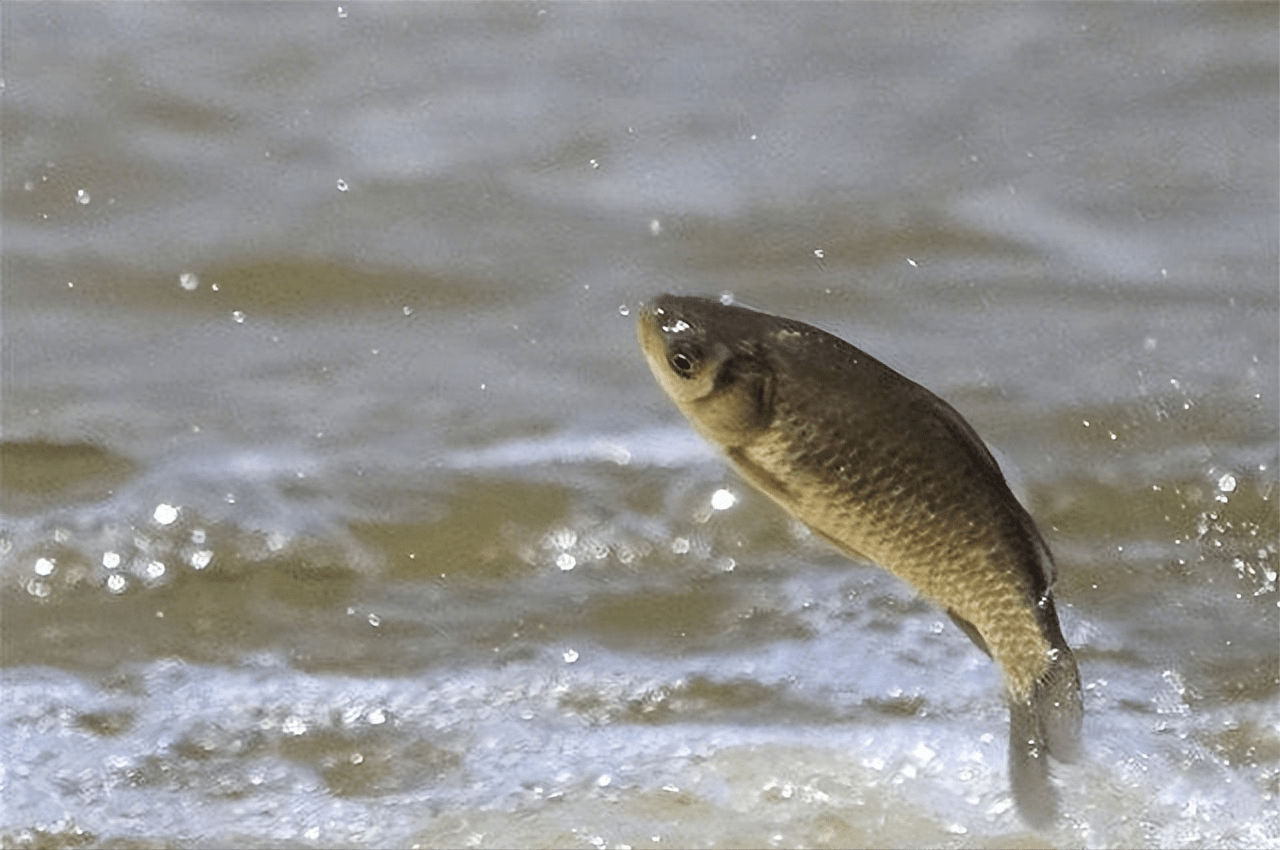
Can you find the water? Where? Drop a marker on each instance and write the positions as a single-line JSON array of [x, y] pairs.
[[338, 507]]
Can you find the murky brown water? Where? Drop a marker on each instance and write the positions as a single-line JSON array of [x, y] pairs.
[[338, 508]]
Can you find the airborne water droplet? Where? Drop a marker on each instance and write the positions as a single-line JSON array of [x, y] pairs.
[[722, 500]]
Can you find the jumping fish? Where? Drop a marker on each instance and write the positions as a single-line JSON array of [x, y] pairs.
[[891, 474]]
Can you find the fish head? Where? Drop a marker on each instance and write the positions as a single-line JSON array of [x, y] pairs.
[[707, 365]]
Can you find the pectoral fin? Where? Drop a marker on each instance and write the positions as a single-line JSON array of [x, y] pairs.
[[971, 630], [770, 486]]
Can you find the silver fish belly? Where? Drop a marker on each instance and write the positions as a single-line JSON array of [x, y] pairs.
[[889, 473]]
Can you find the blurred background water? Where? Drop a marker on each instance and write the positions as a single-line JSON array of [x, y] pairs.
[[338, 507]]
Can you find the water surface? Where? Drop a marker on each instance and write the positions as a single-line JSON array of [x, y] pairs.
[[338, 507]]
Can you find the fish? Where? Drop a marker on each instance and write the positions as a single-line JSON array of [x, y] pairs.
[[890, 474]]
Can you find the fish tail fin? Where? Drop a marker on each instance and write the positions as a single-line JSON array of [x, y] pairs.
[[1059, 707], [1047, 724], [1033, 792]]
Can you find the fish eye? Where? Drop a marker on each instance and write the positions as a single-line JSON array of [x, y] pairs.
[[683, 362]]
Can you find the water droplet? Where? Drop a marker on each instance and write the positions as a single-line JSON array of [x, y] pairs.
[[655, 227], [1227, 483], [200, 559], [110, 560], [82, 197], [570, 656], [819, 253], [165, 514], [44, 567], [117, 583], [189, 281], [238, 316], [624, 310], [407, 310], [155, 569], [722, 500], [566, 562], [342, 12], [374, 620], [342, 185]]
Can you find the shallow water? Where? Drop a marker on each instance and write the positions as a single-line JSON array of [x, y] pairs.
[[338, 508]]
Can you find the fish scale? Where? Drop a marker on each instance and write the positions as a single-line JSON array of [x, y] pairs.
[[889, 473]]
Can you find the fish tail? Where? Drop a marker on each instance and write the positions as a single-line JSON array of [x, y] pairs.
[[1033, 793], [1047, 724], [1058, 706]]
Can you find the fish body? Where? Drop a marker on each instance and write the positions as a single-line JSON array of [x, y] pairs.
[[889, 473]]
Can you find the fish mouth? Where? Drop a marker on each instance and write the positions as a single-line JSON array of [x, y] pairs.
[[650, 309], [649, 330]]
